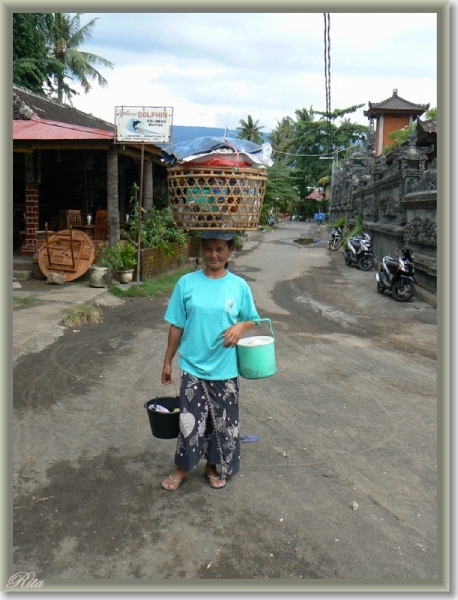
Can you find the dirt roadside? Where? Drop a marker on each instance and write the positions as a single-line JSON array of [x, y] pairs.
[[341, 484]]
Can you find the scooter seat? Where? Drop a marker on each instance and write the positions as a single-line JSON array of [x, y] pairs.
[[390, 262]]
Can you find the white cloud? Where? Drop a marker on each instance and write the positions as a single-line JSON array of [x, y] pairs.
[[215, 69]]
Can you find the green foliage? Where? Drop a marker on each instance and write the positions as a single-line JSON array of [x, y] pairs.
[[339, 224], [400, 136], [33, 65], [46, 53], [150, 287], [120, 256], [159, 230], [104, 257], [127, 256], [339, 112], [65, 36], [249, 130], [312, 138], [357, 229], [280, 191], [238, 241], [281, 139], [123, 255], [307, 209]]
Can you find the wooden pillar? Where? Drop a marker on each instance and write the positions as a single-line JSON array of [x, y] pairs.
[[113, 195], [88, 195], [31, 218], [148, 193]]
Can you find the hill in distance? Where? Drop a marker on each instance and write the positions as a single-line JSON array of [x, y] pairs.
[[183, 133]]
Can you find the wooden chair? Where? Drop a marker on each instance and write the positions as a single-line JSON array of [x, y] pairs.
[[62, 220], [54, 224], [101, 225], [74, 218]]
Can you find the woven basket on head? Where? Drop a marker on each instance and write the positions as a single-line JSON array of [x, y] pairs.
[[205, 197]]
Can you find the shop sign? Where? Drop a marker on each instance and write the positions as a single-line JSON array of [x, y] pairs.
[[143, 124]]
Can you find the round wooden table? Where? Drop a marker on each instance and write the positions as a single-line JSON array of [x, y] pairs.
[[69, 253]]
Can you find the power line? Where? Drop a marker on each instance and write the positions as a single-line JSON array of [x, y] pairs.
[[307, 155], [327, 76]]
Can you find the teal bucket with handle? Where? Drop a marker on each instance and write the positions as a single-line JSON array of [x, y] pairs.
[[256, 355]]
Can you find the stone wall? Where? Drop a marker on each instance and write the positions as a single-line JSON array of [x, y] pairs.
[[396, 195]]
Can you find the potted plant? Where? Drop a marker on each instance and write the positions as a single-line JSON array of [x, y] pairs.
[[238, 242], [101, 268], [124, 258]]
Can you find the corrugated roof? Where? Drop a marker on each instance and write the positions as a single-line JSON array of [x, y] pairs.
[[316, 195], [44, 129], [45, 108], [395, 103]]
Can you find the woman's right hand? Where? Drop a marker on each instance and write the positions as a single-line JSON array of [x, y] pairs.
[[166, 378]]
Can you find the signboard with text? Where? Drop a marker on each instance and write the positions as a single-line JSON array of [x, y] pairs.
[[143, 124]]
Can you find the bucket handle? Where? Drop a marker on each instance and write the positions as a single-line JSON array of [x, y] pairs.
[[176, 393], [258, 321]]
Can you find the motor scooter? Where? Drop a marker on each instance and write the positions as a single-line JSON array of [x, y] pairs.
[[335, 237], [358, 250], [396, 276]]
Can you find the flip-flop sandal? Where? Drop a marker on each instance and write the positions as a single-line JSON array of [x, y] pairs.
[[218, 477], [179, 481]]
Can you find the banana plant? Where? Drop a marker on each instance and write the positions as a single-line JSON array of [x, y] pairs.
[[358, 229]]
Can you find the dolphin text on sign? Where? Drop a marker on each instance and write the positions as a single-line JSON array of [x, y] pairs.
[[24, 580]]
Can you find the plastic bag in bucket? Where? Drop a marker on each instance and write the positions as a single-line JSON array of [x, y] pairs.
[[256, 356], [164, 425]]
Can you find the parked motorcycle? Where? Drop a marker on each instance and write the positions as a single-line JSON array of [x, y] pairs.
[[358, 250], [271, 221], [397, 276], [335, 237]]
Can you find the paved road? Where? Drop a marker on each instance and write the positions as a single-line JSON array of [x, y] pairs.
[[350, 417]]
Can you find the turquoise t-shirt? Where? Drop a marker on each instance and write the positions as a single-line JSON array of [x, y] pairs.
[[205, 308]]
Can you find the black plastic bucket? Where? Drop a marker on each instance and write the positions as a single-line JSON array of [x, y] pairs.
[[165, 426]]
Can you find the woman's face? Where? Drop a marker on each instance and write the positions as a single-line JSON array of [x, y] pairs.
[[216, 254]]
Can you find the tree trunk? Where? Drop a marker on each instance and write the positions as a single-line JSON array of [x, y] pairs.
[[148, 193], [113, 195]]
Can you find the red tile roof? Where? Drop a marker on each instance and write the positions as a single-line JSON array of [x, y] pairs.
[[44, 129], [316, 195]]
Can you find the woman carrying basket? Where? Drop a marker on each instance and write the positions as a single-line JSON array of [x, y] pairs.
[[208, 312]]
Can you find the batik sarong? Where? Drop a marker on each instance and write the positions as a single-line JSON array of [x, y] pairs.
[[209, 424]]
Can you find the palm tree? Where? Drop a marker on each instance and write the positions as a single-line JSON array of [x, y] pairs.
[[282, 139], [249, 130], [303, 114], [65, 35]]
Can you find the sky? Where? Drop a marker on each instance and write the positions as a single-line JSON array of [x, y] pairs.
[[215, 69]]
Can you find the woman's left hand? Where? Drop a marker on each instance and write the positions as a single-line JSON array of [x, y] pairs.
[[232, 335]]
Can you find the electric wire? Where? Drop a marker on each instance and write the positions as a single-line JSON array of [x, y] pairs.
[[327, 77], [323, 154]]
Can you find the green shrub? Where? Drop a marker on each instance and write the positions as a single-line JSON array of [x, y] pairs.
[[159, 230]]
